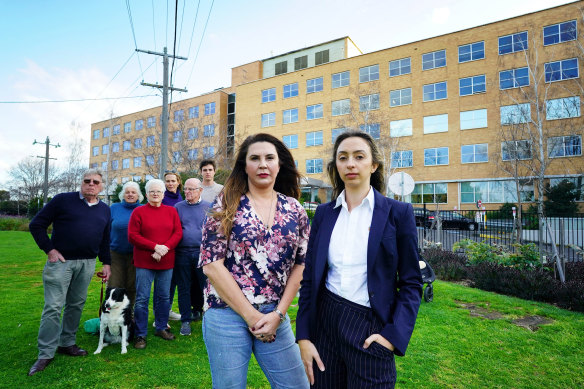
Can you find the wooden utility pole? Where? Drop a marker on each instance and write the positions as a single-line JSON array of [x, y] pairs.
[[165, 88], [47, 143]]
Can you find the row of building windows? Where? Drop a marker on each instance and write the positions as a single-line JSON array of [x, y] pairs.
[[177, 157], [561, 108], [193, 112], [302, 62]]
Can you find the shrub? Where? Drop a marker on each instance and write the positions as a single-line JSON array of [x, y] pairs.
[[447, 265], [14, 224]]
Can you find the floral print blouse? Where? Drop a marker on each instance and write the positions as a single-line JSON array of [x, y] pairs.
[[260, 259]]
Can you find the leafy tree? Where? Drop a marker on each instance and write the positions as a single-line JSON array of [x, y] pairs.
[[561, 199]]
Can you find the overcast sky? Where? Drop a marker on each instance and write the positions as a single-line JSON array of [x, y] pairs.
[[85, 50]]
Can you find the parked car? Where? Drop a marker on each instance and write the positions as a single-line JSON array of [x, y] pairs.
[[453, 219], [422, 217], [310, 205]]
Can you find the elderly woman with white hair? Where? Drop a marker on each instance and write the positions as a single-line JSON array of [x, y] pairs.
[[155, 231], [123, 273]]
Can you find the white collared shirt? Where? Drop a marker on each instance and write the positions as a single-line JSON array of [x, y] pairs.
[[347, 253]]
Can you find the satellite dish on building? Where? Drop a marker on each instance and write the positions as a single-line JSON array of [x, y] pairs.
[[401, 184]]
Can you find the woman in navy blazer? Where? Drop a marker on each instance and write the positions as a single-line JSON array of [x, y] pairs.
[[362, 286]]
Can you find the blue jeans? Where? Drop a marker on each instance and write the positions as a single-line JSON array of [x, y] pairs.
[[144, 278], [230, 344], [184, 263]]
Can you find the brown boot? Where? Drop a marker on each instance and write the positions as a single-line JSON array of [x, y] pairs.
[[164, 334]]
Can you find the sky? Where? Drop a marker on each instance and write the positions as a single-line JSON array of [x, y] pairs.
[[67, 64]]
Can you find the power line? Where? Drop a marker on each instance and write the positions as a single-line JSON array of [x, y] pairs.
[[154, 31], [72, 100], [174, 47], [192, 32], [201, 42], [133, 32]]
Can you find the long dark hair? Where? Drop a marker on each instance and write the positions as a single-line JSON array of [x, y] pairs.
[[377, 177], [287, 180]]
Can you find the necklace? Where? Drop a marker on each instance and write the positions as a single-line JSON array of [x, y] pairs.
[[255, 205]]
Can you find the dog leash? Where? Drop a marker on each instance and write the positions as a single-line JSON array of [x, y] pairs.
[[103, 281]]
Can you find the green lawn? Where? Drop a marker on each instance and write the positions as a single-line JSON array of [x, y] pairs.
[[449, 349]]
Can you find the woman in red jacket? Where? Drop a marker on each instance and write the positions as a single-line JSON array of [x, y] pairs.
[[154, 230]]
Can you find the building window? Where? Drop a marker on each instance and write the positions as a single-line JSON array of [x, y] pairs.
[[115, 165], [150, 123], [138, 143], [150, 141], [565, 146], [126, 163], [290, 116], [437, 91], [515, 114], [513, 43], [372, 129], [399, 67], [269, 119], [398, 128], [341, 107], [340, 79], [268, 95], [176, 157], [106, 132], [208, 152], [105, 149], [299, 63], [516, 150], [513, 78], [402, 159], [561, 32], [494, 192], [127, 145], [473, 119], [369, 102], [281, 67], [104, 166], [209, 108], [321, 57], [313, 166], [194, 112], [435, 59], [291, 90], [313, 111], [400, 97], [472, 85], [430, 194], [95, 151], [193, 133], [314, 85], [435, 123], [137, 161], [291, 141], [577, 181], [193, 154], [209, 130], [474, 153], [561, 70], [179, 115], [314, 138], [96, 134], [369, 73], [93, 165], [471, 52], [150, 160], [436, 156], [336, 132], [116, 129], [139, 124], [115, 147], [177, 136], [564, 108]]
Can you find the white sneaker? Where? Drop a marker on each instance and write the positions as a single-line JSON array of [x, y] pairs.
[[154, 325], [173, 315]]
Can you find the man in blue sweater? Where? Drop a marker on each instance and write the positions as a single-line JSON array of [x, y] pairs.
[[81, 231], [186, 277]]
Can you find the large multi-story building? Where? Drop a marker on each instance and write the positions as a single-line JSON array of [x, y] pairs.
[[468, 114]]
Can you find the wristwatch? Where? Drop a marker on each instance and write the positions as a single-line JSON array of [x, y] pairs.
[[282, 317]]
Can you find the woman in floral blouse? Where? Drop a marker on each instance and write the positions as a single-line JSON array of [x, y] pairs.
[[253, 249]]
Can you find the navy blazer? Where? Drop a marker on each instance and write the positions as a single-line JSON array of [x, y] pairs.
[[394, 281]]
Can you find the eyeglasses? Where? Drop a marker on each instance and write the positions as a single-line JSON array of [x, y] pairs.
[[88, 181], [170, 171], [192, 189], [155, 192]]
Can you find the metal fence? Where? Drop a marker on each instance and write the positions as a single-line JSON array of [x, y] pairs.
[[492, 227]]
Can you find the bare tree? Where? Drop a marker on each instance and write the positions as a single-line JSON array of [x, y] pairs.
[[27, 178], [75, 164]]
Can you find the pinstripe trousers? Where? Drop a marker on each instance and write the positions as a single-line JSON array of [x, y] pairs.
[[342, 329]]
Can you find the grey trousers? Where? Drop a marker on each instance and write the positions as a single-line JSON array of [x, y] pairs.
[[65, 286]]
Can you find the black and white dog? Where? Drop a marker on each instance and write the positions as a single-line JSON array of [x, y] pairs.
[[116, 320]]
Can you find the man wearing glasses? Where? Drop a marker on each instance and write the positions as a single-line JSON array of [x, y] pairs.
[[189, 279], [81, 232]]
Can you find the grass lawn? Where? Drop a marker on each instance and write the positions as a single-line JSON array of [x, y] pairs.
[[450, 348]]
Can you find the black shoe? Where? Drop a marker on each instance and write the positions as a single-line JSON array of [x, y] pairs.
[[74, 351], [39, 365], [196, 316]]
